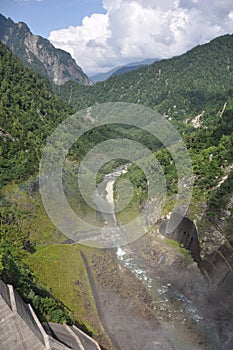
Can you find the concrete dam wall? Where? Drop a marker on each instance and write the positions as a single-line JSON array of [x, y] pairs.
[[20, 329], [217, 268], [183, 231]]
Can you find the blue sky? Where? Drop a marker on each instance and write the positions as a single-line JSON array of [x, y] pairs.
[[102, 34], [46, 15]]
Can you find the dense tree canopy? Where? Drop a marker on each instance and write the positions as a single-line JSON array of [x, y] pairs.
[[29, 111]]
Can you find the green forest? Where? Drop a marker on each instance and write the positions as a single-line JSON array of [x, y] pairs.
[[193, 88], [179, 87]]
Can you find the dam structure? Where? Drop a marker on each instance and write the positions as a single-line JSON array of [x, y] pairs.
[[217, 267], [20, 328]]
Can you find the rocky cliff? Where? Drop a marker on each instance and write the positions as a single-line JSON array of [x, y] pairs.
[[39, 54]]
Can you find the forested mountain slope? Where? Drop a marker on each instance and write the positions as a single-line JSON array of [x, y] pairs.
[[185, 84], [195, 92], [29, 111]]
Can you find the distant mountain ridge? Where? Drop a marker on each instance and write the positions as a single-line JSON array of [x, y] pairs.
[[188, 83], [122, 69], [39, 54], [134, 66]]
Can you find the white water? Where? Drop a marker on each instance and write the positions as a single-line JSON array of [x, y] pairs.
[[109, 190], [165, 293]]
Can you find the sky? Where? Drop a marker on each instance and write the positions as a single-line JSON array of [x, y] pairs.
[[102, 34]]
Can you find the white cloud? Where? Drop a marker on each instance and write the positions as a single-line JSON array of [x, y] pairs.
[[136, 29]]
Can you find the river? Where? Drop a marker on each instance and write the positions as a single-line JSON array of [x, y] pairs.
[[182, 321]]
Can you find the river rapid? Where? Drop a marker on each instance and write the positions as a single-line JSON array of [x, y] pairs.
[[182, 321]]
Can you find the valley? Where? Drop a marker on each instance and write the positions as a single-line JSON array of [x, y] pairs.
[[156, 292]]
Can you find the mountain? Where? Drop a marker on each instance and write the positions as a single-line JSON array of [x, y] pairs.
[[38, 53], [134, 66], [194, 91], [176, 86], [29, 111], [103, 76], [73, 283], [122, 69]]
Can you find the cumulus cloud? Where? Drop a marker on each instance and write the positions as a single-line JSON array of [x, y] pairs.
[[133, 30]]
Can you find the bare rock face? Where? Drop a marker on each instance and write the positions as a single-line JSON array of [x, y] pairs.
[[39, 54]]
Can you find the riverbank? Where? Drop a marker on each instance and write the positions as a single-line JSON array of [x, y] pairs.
[[156, 265], [126, 305], [178, 290]]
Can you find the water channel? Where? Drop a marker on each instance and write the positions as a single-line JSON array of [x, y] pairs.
[[173, 319]]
